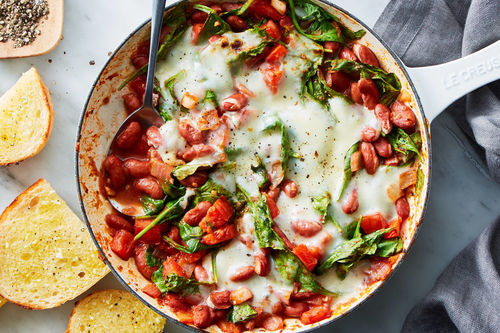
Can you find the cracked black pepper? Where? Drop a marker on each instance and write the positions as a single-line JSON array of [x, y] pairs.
[[19, 20]]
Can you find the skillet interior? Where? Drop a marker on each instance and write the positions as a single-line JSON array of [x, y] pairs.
[[104, 112]]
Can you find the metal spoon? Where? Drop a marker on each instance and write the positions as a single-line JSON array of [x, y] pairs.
[[146, 115]]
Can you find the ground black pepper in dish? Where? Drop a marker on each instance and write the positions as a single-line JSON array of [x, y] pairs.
[[19, 20]]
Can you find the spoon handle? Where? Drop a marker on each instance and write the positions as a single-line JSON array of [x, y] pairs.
[[156, 22]]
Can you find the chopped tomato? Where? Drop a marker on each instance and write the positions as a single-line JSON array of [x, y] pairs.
[[228, 327], [190, 258], [277, 54], [373, 222], [123, 244], [286, 23], [223, 234], [220, 212], [307, 257], [185, 317], [273, 208], [195, 32], [396, 224], [138, 84], [151, 290], [263, 9], [272, 29], [218, 137], [153, 236], [316, 251], [171, 266], [272, 75], [315, 314]]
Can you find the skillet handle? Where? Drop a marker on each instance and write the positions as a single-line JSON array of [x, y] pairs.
[[440, 85]]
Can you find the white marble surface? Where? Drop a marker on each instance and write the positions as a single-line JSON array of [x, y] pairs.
[[463, 200]]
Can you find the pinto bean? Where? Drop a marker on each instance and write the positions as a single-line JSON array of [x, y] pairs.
[[149, 186], [272, 323], [262, 265], [347, 53], [116, 172], [351, 204], [383, 115], [242, 273], [192, 135], [235, 102], [220, 299], [202, 316], [333, 47], [194, 216], [369, 93], [118, 222], [402, 116], [290, 188], [402, 208], [383, 147], [129, 136], [356, 161], [241, 295], [356, 93], [295, 309], [338, 81], [236, 23], [175, 302], [195, 180], [306, 228], [369, 134], [137, 168], [370, 158], [365, 55], [132, 101], [154, 136]]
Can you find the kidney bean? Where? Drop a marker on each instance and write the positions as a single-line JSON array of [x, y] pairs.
[[351, 204], [369, 134], [137, 168], [241, 295], [129, 136], [338, 81], [118, 222], [262, 266], [365, 55], [195, 180], [242, 274], [295, 309], [356, 93], [151, 290], [333, 47], [220, 299], [141, 262], [234, 102], [383, 147], [217, 8], [194, 216], [200, 273], [402, 208], [197, 151], [154, 136], [132, 101], [175, 302], [383, 115], [306, 228], [227, 6], [149, 186], [202, 316], [370, 158], [272, 323], [117, 174], [139, 61], [290, 188], [347, 53], [236, 23], [369, 93], [402, 116], [277, 308], [192, 135], [356, 161], [302, 295], [199, 17]]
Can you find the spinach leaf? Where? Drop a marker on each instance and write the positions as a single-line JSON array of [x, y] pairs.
[[211, 191], [173, 209], [192, 245], [315, 86], [292, 270], [173, 191], [233, 152], [388, 84], [259, 168], [420, 182], [239, 11], [151, 261], [183, 171], [276, 124], [248, 54], [321, 203], [321, 25], [152, 206], [263, 223], [241, 312], [347, 168], [211, 97], [187, 232], [175, 283], [404, 143], [214, 24], [389, 247]]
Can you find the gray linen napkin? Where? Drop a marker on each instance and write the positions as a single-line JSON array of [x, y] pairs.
[[466, 297]]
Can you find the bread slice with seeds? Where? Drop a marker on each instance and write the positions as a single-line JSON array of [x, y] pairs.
[[113, 311], [46, 254]]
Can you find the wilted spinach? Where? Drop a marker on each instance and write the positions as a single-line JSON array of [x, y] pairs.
[[259, 168], [175, 283], [408, 145], [347, 168], [321, 203], [214, 24], [241, 312], [152, 206], [151, 261]]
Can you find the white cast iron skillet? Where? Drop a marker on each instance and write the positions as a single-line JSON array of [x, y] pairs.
[[429, 89]]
